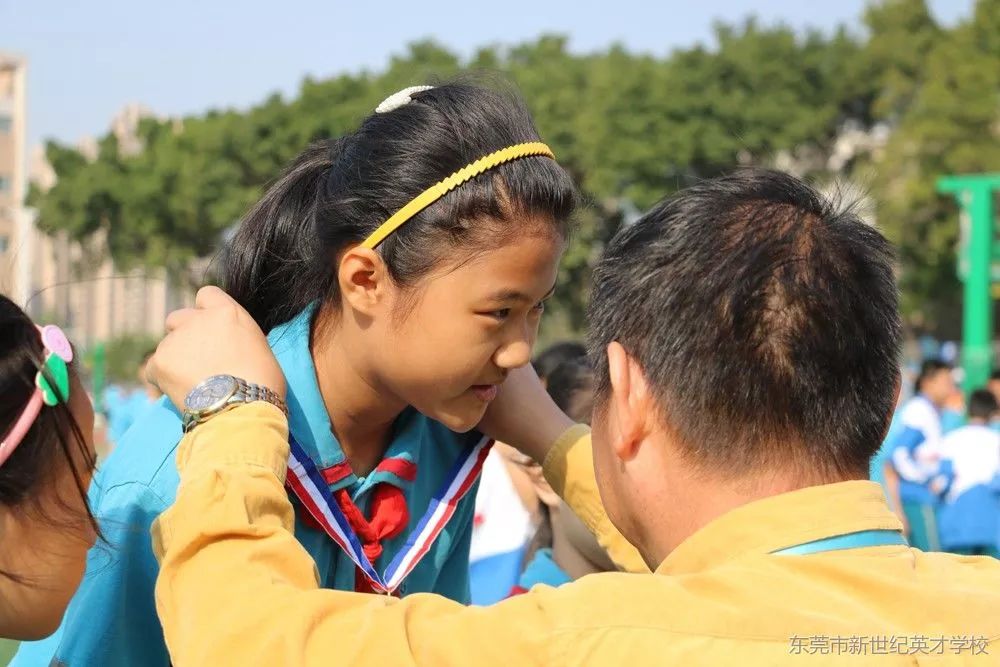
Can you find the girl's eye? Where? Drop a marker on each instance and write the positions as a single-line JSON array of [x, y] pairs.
[[501, 314], [539, 307]]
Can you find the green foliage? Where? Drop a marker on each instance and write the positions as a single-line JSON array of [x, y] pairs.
[[629, 127], [8, 648], [950, 126]]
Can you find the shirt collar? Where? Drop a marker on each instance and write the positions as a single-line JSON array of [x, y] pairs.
[[782, 521], [933, 406], [309, 422], [543, 570], [399, 465]]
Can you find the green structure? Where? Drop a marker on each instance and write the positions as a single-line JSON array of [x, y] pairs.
[[974, 193]]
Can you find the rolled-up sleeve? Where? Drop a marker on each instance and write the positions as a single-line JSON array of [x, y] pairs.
[[569, 469]]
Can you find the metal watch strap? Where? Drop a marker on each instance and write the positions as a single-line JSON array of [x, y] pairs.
[[246, 392], [255, 392]]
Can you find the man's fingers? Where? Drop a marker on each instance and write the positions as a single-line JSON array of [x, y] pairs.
[[212, 297], [178, 318]]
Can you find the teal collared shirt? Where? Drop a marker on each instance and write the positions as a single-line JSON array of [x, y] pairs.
[[112, 620]]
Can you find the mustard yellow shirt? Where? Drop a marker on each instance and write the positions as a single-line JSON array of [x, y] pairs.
[[236, 588]]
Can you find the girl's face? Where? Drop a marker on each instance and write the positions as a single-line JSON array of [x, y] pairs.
[[463, 329], [46, 541]]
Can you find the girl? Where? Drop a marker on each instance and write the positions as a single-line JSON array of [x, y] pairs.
[[46, 458], [400, 273], [563, 549]]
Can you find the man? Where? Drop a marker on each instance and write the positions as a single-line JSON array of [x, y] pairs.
[[745, 336], [993, 384]]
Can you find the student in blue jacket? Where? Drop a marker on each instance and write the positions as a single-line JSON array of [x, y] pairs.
[[914, 457]]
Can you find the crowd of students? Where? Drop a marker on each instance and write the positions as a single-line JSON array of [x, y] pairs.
[[123, 404], [305, 492], [942, 469]]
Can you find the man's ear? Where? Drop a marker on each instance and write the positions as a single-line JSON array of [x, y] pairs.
[[630, 403]]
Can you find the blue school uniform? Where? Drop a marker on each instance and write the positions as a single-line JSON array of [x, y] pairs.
[[499, 535], [112, 619], [951, 421], [970, 517], [971, 520], [542, 570], [919, 427], [124, 408]]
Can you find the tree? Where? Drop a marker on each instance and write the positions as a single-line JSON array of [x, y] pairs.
[[630, 128], [952, 126]]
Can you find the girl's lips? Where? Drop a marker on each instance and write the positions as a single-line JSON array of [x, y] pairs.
[[485, 392]]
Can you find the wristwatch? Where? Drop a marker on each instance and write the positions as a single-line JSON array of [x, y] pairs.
[[220, 393]]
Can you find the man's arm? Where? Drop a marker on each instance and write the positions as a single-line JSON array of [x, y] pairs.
[[525, 417], [235, 586]]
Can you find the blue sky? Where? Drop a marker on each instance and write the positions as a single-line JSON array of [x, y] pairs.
[[88, 59]]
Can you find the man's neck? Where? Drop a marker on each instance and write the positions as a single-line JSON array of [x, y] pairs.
[[361, 414], [696, 500]]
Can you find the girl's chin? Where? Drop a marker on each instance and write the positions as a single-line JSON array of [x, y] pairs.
[[462, 417]]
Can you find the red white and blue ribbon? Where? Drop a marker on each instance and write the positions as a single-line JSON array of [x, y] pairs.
[[308, 485]]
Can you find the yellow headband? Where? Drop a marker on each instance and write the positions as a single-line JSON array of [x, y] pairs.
[[435, 192]]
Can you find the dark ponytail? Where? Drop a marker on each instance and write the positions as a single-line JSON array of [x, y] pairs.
[[271, 262], [337, 192]]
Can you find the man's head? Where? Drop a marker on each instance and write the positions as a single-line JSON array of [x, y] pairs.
[[556, 355], [994, 384], [743, 331], [936, 382], [983, 406]]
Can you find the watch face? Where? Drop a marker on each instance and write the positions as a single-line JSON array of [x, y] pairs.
[[211, 394]]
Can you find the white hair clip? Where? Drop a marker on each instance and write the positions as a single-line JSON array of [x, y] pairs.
[[399, 99]]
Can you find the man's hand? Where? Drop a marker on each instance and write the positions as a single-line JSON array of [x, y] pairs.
[[524, 416], [216, 337]]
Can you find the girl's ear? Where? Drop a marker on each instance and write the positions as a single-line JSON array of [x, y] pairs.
[[364, 280]]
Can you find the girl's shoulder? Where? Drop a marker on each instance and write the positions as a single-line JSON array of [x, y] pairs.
[[145, 455]]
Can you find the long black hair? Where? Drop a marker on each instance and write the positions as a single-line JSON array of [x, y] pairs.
[[49, 446], [338, 191]]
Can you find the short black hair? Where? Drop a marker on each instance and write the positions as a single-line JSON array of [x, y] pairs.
[[765, 319], [983, 404], [995, 375], [928, 369], [556, 355], [571, 386]]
